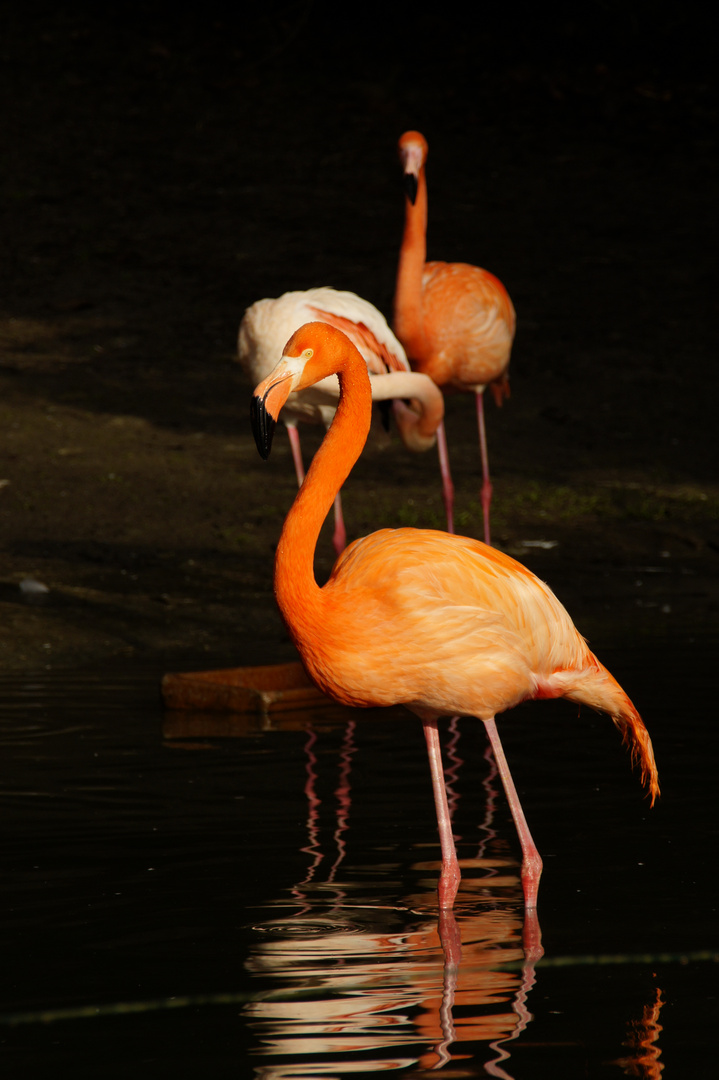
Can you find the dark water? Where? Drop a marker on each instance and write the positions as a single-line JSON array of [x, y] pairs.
[[264, 905]]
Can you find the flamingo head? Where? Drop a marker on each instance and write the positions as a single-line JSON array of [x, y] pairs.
[[412, 154], [312, 353]]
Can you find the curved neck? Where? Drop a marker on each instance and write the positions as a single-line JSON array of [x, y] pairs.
[[412, 257], [417, 429], [298, 594]]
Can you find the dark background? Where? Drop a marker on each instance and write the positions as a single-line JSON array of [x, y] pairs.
[[165, 165]]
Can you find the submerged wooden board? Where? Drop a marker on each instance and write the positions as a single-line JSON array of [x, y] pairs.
[[183, 725], [270, 688]]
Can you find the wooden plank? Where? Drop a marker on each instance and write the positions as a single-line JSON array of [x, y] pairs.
[[266, 689]]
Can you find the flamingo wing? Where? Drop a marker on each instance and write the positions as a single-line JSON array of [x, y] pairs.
[[485, 632], [380, 355], [469, 325]]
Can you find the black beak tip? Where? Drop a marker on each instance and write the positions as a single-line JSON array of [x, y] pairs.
[[263, 427], [410, 186]]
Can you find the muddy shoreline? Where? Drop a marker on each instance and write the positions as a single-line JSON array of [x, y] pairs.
[[161, 175]]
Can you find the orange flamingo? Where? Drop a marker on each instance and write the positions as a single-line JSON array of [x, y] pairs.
[[442, 624], [456, 321], [267, 325]]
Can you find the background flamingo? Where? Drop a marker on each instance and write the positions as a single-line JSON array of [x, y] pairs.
[[267, 325], [456, 321], [439, 623]]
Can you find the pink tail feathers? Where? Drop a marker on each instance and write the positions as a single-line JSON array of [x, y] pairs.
[[597, 687], [636, 738]]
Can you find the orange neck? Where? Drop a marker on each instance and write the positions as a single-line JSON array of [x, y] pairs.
[[299, 597], [412, 257]]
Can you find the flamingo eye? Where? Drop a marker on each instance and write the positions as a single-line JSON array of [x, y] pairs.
[[307, 354]]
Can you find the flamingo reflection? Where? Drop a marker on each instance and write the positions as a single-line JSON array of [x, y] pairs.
[[342, 796], [643, 1039], [377, 987], [348, 983], [383, 996]]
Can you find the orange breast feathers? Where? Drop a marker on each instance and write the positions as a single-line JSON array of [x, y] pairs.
[[469, 324], [474, 632]]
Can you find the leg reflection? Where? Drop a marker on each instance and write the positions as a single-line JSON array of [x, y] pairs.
[[354, 980], [342, 793]]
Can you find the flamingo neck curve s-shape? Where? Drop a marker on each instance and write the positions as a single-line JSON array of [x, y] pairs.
[[298, 595]]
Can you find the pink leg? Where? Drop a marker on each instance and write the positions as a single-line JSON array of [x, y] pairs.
[[531, 861], [447, 485], [449, 877], [294, 437], [486, 493], [450, 938], [339, 537]]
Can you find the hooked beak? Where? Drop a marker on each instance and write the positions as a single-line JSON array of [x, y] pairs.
[[263, 426], [267, 401]]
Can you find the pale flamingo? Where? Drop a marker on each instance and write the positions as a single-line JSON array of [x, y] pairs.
[[456, 321], [442, 624], [267, 325]]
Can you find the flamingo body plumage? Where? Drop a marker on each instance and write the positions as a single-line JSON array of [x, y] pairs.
[[442, 624], [265, 328], [456, 321], [469, 325]]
